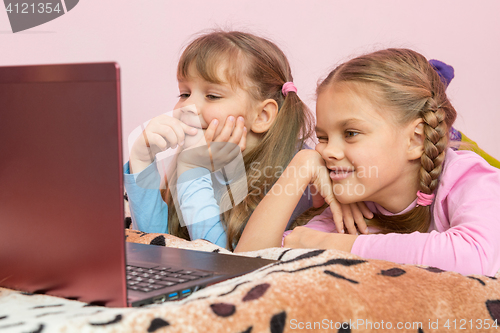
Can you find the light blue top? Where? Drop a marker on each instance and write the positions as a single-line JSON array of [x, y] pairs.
[[199, 193]]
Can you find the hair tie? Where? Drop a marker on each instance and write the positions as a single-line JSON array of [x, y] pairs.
[[424, 199], [445, 71], [287, 87]]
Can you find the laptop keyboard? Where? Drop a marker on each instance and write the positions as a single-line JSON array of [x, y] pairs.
[[149, 279]]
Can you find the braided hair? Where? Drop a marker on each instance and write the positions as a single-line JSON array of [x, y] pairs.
[[411, 86]]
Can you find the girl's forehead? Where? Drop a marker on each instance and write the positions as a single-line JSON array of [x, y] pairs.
[[219, 70], [345, 95], [344, 101]]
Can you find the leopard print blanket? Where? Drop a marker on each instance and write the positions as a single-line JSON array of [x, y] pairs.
[[307, 290]]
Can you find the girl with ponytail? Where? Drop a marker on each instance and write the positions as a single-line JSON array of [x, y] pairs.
[[236, 94], [383, 122]]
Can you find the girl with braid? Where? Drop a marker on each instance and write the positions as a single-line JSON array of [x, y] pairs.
[[383, 123]]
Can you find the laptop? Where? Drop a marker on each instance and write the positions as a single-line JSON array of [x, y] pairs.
[[61, 196]]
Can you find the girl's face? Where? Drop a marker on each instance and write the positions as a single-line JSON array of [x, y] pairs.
[[364, 148], [212, 101]]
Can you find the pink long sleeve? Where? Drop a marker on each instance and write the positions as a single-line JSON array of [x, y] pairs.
[[466, 223]]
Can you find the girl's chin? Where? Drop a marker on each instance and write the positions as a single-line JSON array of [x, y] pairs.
[[347, 199], [344, 200]]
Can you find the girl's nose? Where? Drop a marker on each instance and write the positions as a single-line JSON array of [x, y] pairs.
[[333, 152], [190, 115], [190, 109]]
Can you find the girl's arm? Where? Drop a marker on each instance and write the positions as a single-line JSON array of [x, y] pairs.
[[306, 237], [267, 223], [148, 210], [466, 221], [199, 209]]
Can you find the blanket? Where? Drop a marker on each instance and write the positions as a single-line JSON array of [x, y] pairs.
[[306, 290]]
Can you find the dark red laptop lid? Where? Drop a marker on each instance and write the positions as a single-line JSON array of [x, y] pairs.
[[61, 197]]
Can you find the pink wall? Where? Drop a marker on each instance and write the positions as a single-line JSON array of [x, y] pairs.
[[146, 37]]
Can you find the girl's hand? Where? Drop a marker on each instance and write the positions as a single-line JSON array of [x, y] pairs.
[[345, 216], [354, 217], [161, 133], [306, 238], [214, 153]]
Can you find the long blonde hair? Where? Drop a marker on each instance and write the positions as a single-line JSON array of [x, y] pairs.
[[411, 86], [260, 67]]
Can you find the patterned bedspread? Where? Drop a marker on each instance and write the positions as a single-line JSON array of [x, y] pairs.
[[307, 290]]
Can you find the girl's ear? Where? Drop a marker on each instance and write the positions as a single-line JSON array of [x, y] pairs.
[[266, 114], [416, 139]]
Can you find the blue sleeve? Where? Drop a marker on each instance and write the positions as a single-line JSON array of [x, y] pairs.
[[200, 210], [148, 210]]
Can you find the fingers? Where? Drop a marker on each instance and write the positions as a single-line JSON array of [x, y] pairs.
[[237, 133], [354, 217], [210, 131], [361, 212], [172, 136], [174, 130], [231, 141], [365, 210], [237, 138], [243, 140], [225, 134], [358, 219], [155, 143], [322, 183], [189, 130], [171, 129], [221, 148], [233, 131], [349, 219], [338, 219]]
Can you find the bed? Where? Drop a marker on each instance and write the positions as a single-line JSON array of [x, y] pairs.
[[307, 290]]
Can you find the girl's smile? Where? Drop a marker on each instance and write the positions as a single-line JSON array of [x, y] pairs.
[[338, 173]]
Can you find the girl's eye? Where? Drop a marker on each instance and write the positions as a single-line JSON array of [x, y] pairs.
[[213, 97], [184, 96], [322, 139], [350, 134]]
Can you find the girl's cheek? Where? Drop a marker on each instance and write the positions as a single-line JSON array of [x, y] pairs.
[[209, 117], [319, 148]]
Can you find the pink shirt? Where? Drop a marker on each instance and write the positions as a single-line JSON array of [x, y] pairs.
[[464, 235]]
